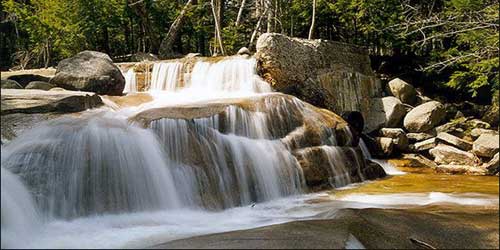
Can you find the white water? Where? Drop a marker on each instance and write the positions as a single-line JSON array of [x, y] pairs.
[[130, 82], [386, 165], [100, 182], [19, 216]]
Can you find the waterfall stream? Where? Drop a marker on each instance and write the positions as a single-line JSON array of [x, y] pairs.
[[102, 173]]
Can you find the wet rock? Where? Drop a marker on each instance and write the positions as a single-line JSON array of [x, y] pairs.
[[384, 146], [89, 71], [424, 117], [39, 85], [327, 74], [25, 79], [244, 51], [425, 145], [454, 141], [385, 112], [398, 136], [373, 170], [375, 228], [493, 165], [448, 155], [461, 169], [10, 84], [39, 101], [402, 90], [486, 145], [15, 124], [417, 137]]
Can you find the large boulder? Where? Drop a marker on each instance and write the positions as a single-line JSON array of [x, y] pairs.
[[39, 101], [39, 85], [486, 145], [89, 71], [327, 74], [402, 90], [448, 155], [425, 145], [424, 117], [10, 84], [385, 112]]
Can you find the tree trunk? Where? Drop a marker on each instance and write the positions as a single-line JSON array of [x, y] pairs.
[[168, 41], [311, 30], [240, 12], [217, 26], [257, 26]]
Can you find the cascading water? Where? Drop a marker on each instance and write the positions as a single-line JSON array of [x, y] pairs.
[[388, 167], [19, 216], [130, 82], [99, 163]]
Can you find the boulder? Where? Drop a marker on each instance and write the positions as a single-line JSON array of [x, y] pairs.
[[244, 51], [454, 141], [424, 117], [398, 136], [384, 146], [327, 74], [425, 145], [448, 155], [417, 137], [39, 85], [402, 90], [493, 165], [10, 84], [486, 145], [39, 101], [25, 79], [461, 169], [476, 132], [385, 112], [89, 71]]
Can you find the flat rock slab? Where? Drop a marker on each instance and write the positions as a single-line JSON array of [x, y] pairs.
[[439, 227], [40, 101]]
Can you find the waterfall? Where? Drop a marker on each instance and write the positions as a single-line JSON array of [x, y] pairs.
[[19, 216], [336, 159], [228, 75], [388, 167], [130, 82], [92, 165]]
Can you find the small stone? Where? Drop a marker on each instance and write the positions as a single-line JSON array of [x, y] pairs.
[[475, 133], [39, 85], [384, 145]]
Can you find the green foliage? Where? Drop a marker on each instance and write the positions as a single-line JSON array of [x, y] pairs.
[[455, 41]]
